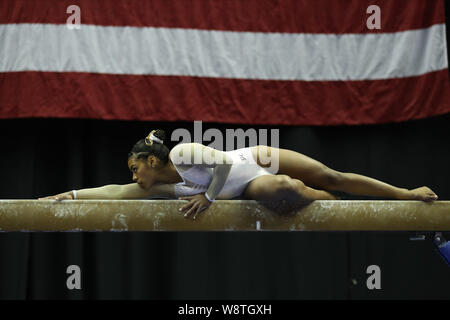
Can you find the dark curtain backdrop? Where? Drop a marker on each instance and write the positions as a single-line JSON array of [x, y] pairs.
[[42, 157]]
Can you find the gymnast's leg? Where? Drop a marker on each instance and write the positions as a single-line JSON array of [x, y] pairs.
[[283, 187], [313, 173]]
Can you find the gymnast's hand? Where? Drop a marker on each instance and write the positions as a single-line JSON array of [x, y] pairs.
[[60, 197], [196, 204]]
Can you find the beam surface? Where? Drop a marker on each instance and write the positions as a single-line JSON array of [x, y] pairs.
[[163, 215]]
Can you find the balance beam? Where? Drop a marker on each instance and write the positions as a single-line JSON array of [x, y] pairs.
[[163, 215]]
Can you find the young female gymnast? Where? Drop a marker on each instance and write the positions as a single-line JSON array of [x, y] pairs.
[[201, 174]]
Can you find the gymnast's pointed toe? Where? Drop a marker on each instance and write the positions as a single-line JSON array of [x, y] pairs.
[[424, 194]]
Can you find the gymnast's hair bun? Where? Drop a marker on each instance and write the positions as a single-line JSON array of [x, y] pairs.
[[155, 136], [160, 134]]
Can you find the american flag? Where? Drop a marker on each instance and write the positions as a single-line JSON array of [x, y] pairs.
[[286, 62]]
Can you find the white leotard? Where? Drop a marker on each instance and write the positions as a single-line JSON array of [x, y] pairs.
[[244, 169]]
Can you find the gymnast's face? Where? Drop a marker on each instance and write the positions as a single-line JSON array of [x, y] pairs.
[[142, 171]]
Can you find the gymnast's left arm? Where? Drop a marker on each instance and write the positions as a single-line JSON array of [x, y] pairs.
[[116, 192], [208, 157]]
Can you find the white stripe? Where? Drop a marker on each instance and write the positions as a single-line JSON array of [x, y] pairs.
[[220, 54]]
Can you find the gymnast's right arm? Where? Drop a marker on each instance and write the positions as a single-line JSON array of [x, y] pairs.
[[116, 192]]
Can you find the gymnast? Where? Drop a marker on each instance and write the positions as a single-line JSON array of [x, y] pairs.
[[200, 174]]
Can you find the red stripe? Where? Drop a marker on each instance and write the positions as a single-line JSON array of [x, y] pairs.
[[161, 98], [292, 16]]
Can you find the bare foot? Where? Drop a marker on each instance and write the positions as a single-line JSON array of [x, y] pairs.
[[423, 194]]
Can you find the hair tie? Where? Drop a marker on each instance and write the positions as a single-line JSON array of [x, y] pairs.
[[150, 138]]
